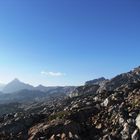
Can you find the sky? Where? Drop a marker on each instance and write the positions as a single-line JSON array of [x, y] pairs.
[[67, 42]]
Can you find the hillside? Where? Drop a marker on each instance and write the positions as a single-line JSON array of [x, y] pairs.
[[110, 111]]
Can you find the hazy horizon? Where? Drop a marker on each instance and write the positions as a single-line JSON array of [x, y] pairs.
[[56, 43]]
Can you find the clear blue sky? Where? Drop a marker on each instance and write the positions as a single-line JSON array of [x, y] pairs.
[[66, 42]]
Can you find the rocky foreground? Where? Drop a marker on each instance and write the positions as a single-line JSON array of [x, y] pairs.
[[105, 110]]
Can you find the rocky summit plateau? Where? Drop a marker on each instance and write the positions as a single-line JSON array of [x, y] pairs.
[[102, 109]]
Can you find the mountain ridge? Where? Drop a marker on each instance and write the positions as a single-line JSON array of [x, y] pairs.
[[109, 111], [16, 85], [101, 84]]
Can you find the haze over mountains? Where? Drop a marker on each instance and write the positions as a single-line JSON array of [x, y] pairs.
[[17, 91], [16, 85], [1, 86]]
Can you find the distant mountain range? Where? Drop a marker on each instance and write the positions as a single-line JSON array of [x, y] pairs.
[[1, 86], [17, 91], [15, 86]]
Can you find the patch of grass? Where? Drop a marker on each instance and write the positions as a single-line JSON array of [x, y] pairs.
[[136, 102], [58, 115]]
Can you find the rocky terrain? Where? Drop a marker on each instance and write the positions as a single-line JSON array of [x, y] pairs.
[[98, 81], [106, 110]]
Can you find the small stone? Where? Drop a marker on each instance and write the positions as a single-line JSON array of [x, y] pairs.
[[125, 133], [138, 121], [106, 102], [52, 137], [58, 135], [121, 120], [63, 136], [88, 103], [99, 126], [70, 135], [76, 137], [135, 135], [16, 115]]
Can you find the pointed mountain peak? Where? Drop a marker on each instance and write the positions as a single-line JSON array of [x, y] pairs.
[[16, 80], [16, 85], [41, 85]]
